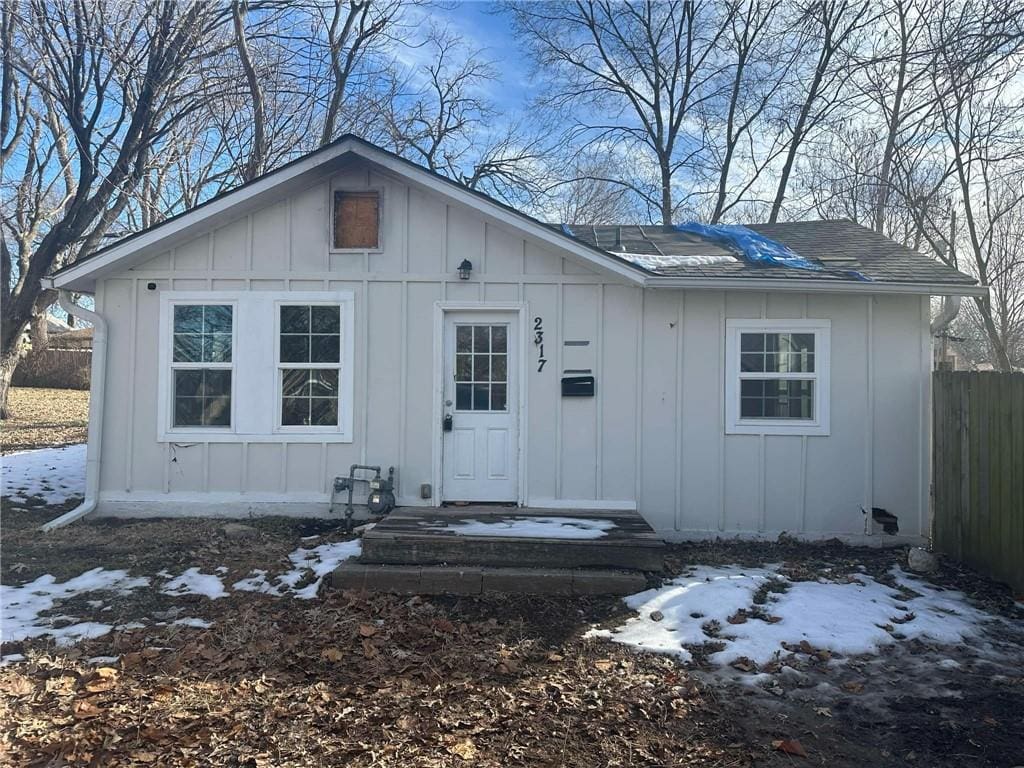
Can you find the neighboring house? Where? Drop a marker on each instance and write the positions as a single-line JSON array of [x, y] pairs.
[[316, 317]]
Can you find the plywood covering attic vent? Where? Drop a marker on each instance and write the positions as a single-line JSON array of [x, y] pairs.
[[356, 219]]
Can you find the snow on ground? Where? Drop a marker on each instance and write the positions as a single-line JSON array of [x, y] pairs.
[[530, 527], [55, 474], [858, 617], [23, 605], [194, 582], [320, 560]]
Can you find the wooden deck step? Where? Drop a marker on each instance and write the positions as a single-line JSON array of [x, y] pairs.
[[475, 580], [499, 537]]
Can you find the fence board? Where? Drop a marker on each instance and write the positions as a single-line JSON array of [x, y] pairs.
[[978, 471]]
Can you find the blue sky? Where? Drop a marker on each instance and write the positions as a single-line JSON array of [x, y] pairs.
[[482, 26]]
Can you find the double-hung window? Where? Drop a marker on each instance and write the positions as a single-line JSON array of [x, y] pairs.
[[202, 347], [309, 365], [777, 377]]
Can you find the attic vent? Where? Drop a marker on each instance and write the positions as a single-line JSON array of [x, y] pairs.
[[356, 219]]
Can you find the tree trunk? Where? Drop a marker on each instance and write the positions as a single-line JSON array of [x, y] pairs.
[[666, 195], [995, 340], [39, 333], [8, 362]]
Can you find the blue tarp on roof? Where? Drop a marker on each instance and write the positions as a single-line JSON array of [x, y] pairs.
[[754, 247]]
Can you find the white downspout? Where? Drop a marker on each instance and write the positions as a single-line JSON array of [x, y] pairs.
[[96, 399], [950, 309]]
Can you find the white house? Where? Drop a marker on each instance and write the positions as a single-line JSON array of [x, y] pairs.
[[257, 345]]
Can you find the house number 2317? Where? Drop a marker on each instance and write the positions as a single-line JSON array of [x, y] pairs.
[[538, 339]]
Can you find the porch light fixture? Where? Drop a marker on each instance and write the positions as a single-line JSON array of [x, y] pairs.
[[465, 268]]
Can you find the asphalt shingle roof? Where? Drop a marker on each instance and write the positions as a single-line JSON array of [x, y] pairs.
[[841, 247]]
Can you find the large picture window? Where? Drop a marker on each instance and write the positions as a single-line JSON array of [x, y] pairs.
[[777, 376], [309, 363], [201, 364]]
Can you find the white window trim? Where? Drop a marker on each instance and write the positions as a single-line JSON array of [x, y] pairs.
[[255, 392], [168, 366], [343, 367], [349, 187], [819, 425]]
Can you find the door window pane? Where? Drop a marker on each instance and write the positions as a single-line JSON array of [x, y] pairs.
[[481, 367]]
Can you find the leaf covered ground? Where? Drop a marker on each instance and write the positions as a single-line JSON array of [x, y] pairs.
[[352, 679], [41, 417]]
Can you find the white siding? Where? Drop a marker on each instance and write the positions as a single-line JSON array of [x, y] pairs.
[[653, 435]]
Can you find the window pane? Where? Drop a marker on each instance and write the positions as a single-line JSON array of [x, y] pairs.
[[188, 318], [481, 368], [463, 367], [294, 411], [295, 383], [499, 338], [323, 383], [480, 400], [802, 342], [188, 411], [323, 411], [481, 338], [463, 396], [499, 368], [464, 338], [216, 383], [777, 399], [498, 397], [294, 349], [217, 348], [217, 319], [326, 320], [188, 348], [325, 349], [294, 319], [752, 361], [771, 342], [217, 412], [752, 342], [188, 383]]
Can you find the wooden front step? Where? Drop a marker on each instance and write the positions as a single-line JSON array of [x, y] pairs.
[[501, 537]]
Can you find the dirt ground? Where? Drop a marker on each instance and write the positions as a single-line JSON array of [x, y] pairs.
[[44, 417], [348, 679]]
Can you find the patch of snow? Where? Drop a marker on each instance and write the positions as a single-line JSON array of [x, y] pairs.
[[530, 527], [193, 582], [22, 606], [190, 621], [53, 474], [852, 618], [11, 658], [319, 560], [654, 261]]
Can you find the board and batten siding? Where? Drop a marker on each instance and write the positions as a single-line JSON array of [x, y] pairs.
[[653, 436]]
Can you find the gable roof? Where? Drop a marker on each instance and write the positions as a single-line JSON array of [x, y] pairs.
[[891, 267]]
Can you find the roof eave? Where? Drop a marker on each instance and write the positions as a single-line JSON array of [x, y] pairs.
[[81, 277], [805, 285]]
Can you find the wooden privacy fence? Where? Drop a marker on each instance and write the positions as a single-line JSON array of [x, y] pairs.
[[59, 368], [978, 471]]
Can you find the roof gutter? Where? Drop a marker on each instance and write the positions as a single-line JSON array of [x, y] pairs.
[[96, 400], [810, 285]]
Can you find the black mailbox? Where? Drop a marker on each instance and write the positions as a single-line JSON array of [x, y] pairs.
[[577, 386]]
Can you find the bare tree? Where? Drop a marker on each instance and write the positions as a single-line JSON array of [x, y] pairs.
[[442, 116], [823, 36], [633, 76], [109, 82]]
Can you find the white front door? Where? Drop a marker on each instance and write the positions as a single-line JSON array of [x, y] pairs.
[[480, 447]]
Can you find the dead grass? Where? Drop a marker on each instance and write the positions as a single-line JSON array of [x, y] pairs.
[[381, 680], [42, 418]]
